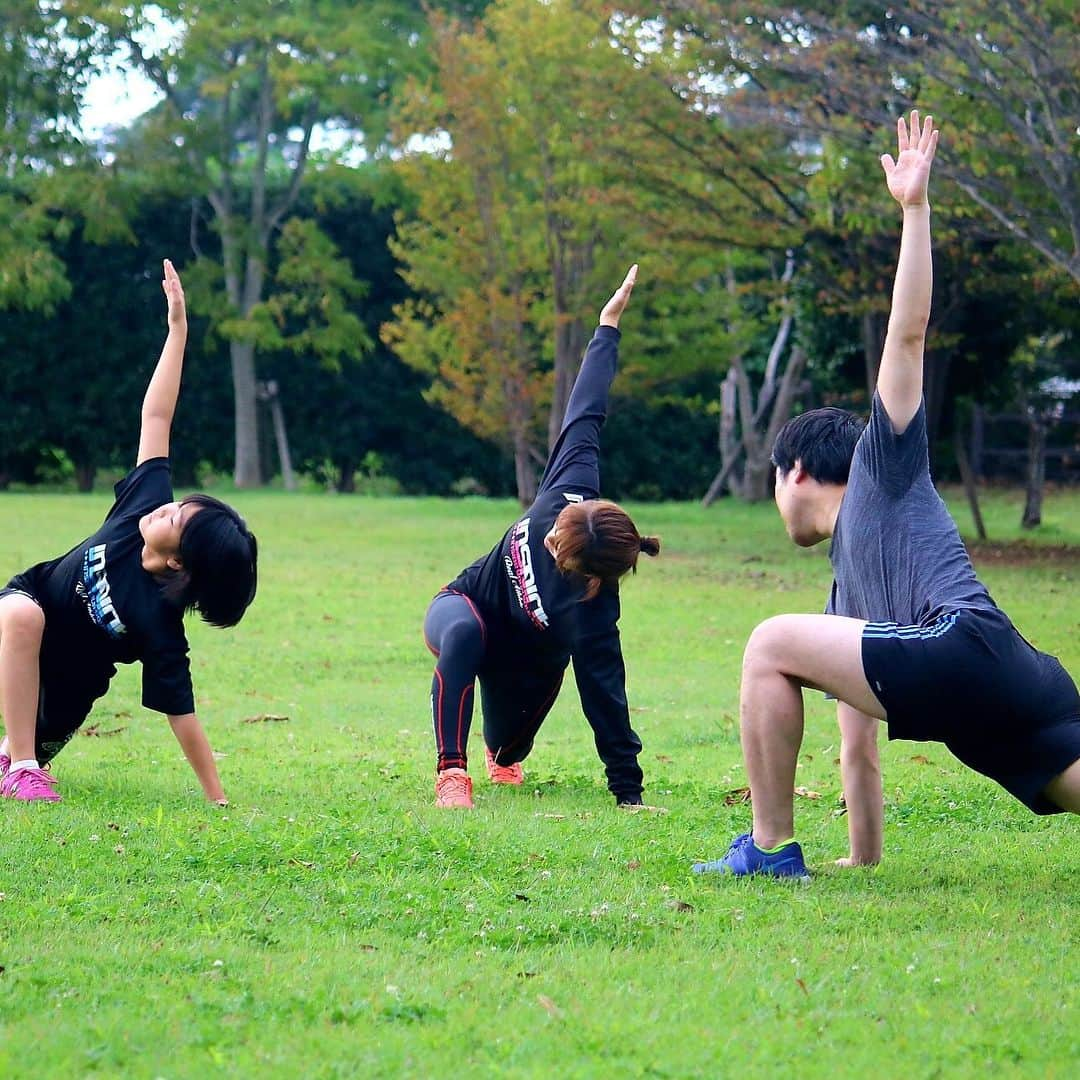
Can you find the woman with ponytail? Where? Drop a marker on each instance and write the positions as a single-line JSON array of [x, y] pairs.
[[546, 594]]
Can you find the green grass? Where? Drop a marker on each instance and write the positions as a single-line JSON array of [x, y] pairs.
[[332, 923]]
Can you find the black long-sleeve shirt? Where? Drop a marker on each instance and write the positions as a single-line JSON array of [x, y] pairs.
[[535, 615]]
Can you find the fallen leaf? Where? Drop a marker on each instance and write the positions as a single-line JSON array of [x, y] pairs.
[[806, 793], [664, 758], [549, 1006], [527, 974], [301, 862], [802, 986], [678, 905], [265, 718], [737, 796], [522, 896], [552, 817], [353, 857], [368, 948], [93, 731], [921, 759], [633, 864]]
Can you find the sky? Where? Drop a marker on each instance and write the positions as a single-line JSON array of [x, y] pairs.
[[116, 98]]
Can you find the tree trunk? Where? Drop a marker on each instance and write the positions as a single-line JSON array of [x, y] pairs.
[[1036, 471], [524, 472], [755, 482], [346, 478], [270, 393], [569, 348], [935, 379], [968, 479], [247, 473], [84, 476]]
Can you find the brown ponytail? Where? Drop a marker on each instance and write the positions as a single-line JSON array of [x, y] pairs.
[[598, 540]]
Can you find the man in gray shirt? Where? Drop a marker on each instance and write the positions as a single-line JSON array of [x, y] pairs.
[[911, 636]]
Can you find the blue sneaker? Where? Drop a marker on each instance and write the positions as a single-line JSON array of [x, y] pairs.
[[744, 857]]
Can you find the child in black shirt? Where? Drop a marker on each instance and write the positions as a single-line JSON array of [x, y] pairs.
[[546, 594], [119, 597]]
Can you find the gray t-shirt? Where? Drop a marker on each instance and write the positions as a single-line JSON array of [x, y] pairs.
[[896, 553]]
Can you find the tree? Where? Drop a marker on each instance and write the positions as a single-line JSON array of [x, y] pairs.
[[49, 184], [506, 250], [1002, 76], [247, 88]]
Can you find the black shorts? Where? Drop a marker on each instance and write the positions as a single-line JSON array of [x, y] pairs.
[[63, 704], [971, 681]]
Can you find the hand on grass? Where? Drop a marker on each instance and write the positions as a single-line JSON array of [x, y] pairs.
[[614, 307]]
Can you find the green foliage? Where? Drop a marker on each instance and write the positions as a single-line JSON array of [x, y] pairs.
[[333, 923]]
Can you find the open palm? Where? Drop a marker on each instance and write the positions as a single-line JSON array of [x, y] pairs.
[[909, 174]]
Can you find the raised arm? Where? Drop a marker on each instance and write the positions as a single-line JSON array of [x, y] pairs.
[[159, 404], [575, 457], [900, 379]]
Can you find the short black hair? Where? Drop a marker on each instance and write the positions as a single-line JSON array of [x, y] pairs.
[[220, 557], [822, 441]]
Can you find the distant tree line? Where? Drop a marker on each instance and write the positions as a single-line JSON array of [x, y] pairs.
[[396, 222]]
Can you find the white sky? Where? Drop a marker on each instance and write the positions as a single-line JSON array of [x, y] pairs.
[[116, 98]]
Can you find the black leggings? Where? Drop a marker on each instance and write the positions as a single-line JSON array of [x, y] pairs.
[[516, 701]]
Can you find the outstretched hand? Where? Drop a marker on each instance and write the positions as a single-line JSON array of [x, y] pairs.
[[909, 174], [614, 307], [174, 293]]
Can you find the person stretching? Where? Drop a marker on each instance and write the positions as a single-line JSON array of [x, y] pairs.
[[547, 593], [911, 636], [120, 596]]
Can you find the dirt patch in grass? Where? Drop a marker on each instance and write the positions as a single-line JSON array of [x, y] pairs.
[[1025, 553]]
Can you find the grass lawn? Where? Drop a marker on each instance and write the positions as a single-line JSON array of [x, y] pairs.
[[332, 923]]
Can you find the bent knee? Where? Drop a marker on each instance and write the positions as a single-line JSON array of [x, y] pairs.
[[463, 639], [1064, 789], [765, 646], [21, 618]]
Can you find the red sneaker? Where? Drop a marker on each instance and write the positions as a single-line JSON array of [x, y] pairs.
[[453, 788], [29, 785], [503, 774]]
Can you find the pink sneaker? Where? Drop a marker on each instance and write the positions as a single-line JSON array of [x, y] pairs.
[[453, 788], [5, 764], [503, 774], [29, 785]]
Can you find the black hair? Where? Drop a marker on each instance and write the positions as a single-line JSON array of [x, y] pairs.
[[822, 441], [220, 563]]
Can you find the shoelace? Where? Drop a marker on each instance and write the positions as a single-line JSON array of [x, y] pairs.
[[503, 772], [454, 784], [35, 779], [739, 843]]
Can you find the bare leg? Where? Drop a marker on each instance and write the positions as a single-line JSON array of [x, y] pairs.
[[22, 624], [783, 655], [1064, 790]]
